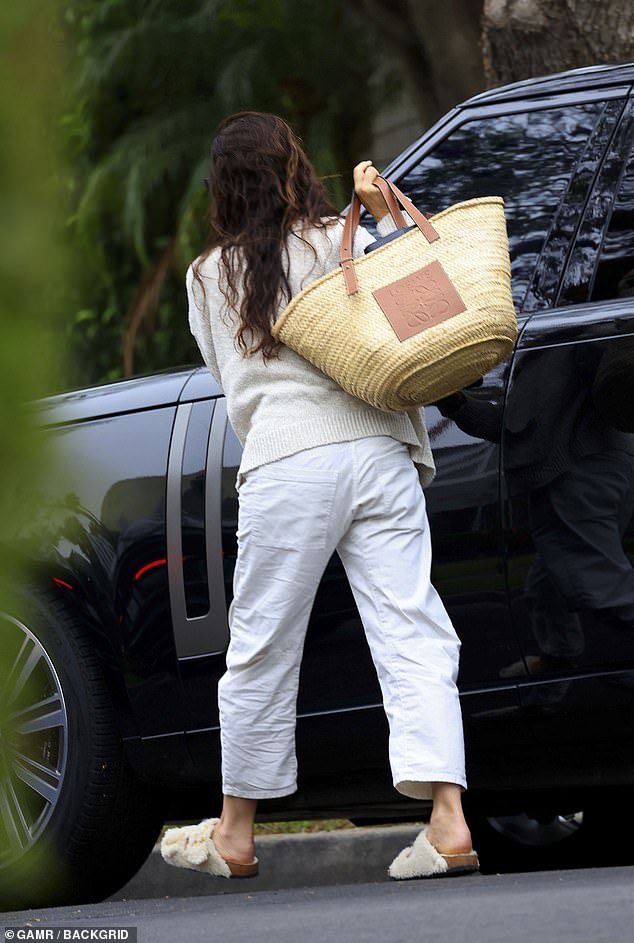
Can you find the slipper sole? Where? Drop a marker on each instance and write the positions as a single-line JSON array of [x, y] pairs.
[[449, 873]]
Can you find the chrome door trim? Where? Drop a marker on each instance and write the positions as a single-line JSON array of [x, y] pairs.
[[209, 633]]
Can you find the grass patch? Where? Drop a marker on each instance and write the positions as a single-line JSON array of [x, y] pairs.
[[287, 828], [292, 828]]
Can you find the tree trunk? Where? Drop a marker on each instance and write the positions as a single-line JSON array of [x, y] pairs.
[[435, 45], [145, 303], [526, 38]]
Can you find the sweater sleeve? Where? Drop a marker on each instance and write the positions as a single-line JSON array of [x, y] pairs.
[[478, 418], [199, 323], [384, 227]]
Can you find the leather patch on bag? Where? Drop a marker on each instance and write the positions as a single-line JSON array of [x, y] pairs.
[[419, 300]]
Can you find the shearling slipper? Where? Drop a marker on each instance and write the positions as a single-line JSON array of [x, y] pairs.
[[422, 860], [192, 846]]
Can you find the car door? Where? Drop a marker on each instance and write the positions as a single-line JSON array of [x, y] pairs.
[[542, 156], [568, 457]]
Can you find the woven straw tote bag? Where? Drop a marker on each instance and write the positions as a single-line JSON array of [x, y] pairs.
[[426, 313]]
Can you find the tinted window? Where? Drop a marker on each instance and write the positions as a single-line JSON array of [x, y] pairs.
[[615, 272], [527, 158]]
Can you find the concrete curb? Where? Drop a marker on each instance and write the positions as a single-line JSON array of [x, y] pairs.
[[346, 856]]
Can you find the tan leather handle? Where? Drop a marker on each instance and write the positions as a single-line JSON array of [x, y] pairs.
[[350, 226], [392, 204], [419, 218], [392, 196]]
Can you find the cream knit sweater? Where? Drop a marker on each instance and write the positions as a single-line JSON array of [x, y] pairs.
[[287, 405]]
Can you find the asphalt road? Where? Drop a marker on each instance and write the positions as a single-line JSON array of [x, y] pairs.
[[586, 906]]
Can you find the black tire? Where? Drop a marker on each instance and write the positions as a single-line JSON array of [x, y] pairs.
[[544, 842], [97, 823]]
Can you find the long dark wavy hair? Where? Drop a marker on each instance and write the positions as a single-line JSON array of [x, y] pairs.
[[261, 184]]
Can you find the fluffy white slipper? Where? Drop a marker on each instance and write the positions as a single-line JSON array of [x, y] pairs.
[[192, 846], [422, 860]]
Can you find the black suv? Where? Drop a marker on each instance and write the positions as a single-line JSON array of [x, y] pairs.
[[112, 658]]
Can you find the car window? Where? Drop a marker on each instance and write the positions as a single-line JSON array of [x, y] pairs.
[[615, 271], [528, 158], [601, 255]]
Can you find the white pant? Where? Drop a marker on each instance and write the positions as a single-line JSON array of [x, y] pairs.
[[364, 499]]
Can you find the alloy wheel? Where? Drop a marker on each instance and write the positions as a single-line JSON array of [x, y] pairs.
[[33, 739]]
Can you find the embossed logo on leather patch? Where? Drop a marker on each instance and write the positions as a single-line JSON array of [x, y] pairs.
[[420, 300]]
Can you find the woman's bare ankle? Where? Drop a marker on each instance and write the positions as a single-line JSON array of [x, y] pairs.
[[234, 831], [449, 834], [448, 830], [234, 845]]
